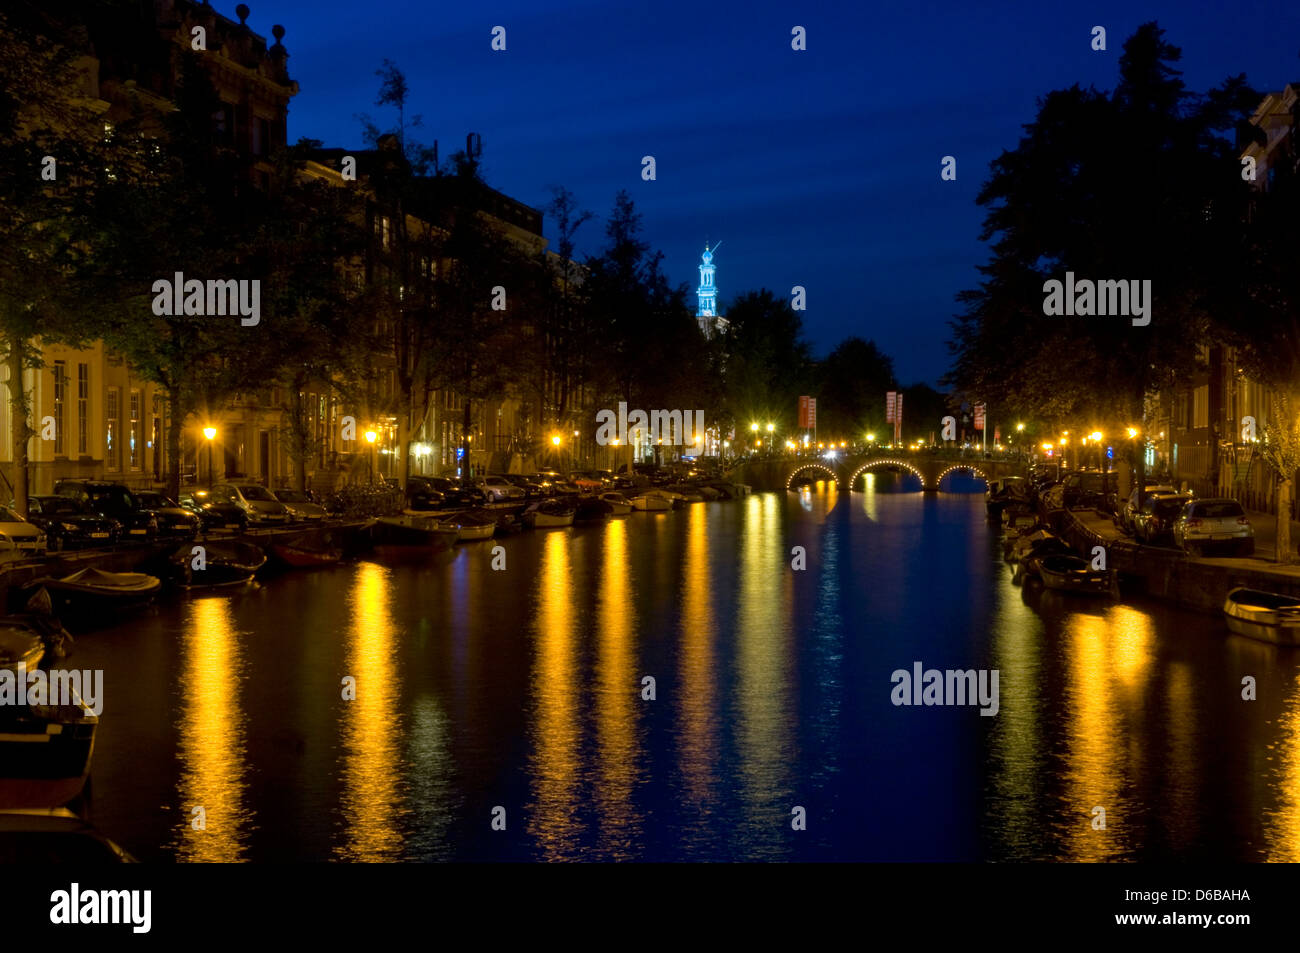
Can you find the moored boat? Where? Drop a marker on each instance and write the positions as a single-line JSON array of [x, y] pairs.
[[92, 591], [620, 504], [227, 562], [45, 749], [550, 513], [651, 502], [1266, 616], [592, 510], [471, 525], [411, 537], [1066, 573]]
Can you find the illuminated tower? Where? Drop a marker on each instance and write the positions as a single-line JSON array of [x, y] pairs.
[[707, 315]]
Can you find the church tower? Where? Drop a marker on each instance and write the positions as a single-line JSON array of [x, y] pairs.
[[710, 321]]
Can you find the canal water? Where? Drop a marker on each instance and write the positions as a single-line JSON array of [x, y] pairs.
[[518, 695]]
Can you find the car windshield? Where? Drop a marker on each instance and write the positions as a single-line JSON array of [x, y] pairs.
[[153, 500], [292, 496], [1168, 506], [58, 507], [9, 516], [114, 497], [1218, 510], [259, 493]]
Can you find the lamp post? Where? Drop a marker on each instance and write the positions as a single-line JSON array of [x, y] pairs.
[[209, 432], [371, 437]]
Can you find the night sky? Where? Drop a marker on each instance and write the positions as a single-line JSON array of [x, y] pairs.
[[817, 168]]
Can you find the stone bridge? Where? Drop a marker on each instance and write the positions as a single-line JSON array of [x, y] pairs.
[[780, 472]]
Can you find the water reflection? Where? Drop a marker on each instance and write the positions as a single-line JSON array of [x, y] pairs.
[[616, 700], [371, 726], [765, 725], [553, 765], [213, 755], [698, 725]]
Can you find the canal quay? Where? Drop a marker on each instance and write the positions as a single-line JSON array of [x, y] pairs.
[[519, 692]]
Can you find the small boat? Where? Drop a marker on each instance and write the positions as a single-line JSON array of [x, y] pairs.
[[1267, 616], [509, 525], [55, 835], [470, 526], [592, 510], [303, 557], [1022, 544], [550, 513], [91, 591], [620, 504], [652, 502], [685, 493], [19, 646], [411, 537], [227, 562], [45, 749], [709, 493], [1066, 573]]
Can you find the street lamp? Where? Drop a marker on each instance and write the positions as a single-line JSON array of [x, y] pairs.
[[371, 437], [1020, 428], [209, 432]]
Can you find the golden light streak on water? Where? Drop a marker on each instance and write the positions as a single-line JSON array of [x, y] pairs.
[[617, 695], [1096, 741], [553, 816], [212, 752], [763, 662], [698, 731], [1282, 822], [370, 726]]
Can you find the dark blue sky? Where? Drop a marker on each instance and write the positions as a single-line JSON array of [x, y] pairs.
[[816, 168]]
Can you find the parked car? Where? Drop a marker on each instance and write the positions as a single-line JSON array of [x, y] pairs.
[[454, 493], [1128, 509], [422, 495], [1216, 525], [617, 481], [497, 489], [532, 489], [114, 501], [214, 513], [258, 503], [69, 524], [301, 505], [1084, 488], [173, 519], [19, 538], [556, 482], [1154, 523]]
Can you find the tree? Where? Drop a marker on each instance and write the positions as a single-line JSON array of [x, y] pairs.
[[1073, 197], [852, 382], [768, 361], [58, 156]]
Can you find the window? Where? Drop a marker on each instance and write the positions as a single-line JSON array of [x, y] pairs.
[[134, 436], [60, 397], [156, 443], [1201, 406], [261, 136], [223, 125], [83, 409], [113, 430]]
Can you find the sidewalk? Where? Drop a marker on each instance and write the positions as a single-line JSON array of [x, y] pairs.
[[1265, 525]]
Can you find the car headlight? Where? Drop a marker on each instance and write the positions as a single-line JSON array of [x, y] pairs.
[[69, 527]]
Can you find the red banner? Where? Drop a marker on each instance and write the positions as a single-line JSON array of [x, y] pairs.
[[807, 413], [979, 416], [890, 399]]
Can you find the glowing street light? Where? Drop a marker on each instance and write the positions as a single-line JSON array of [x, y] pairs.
[[771, 427], [209, 432], [754, 427], [371, 437], [1020, 428]]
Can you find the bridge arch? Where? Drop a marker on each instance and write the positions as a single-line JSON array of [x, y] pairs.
[[961, 466], [789, 480], [884, 462]]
